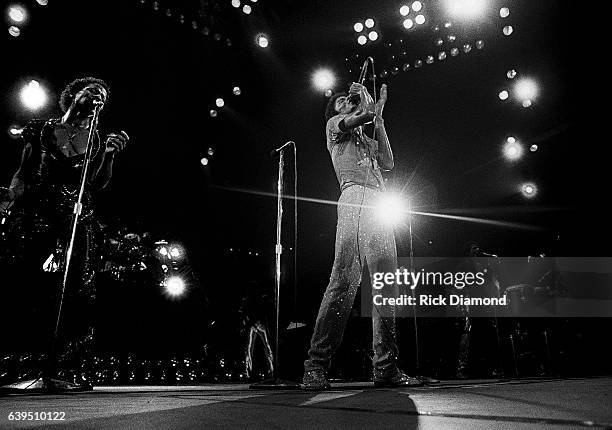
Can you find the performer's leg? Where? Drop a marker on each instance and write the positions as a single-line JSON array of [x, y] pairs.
[[344, 281], [378, 243]]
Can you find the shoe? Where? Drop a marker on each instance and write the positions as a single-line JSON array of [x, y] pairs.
[[315, 380], [399, 380]]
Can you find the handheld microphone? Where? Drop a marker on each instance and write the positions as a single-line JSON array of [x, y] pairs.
[[362, 76]]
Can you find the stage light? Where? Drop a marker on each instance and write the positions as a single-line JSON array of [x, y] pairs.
[[210, 151], [262, 41], [442, 56], [455, 52], [480, 44], [358, 27], [526, 89], [418, 64], [236, 3], [362, 40], [408, 24], [213, 113], [417, 6], [163, 251], [420, 19], [17, 14], [451, 38], [527, 103], [246, 9], [42, 2], [404, 10], [237, 91], [33, 96], [391, 209], [323, 79], [429, 59], [439, 42], [533, 148], [504, 12], [529, 190], [372, 35], [466, 8], [511, 74], [174, 286], [513, 150], [175, 252], [14, 31], [369, 23], [328, 93], [220, 102], [406, 67], [508, 30], [15, 131], [204, 161]]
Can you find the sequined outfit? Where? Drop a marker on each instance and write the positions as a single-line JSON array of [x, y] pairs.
[[360, 239]]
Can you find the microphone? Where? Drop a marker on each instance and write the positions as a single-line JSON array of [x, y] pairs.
[[362, 75], [278, 150]]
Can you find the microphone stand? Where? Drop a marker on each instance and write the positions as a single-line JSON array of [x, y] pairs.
[[47, 382], [275, 383]]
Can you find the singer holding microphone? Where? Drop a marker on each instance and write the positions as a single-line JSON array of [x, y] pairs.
[[360, 238], [42, 197]]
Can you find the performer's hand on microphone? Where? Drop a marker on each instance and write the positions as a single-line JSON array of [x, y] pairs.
[[116, 142]]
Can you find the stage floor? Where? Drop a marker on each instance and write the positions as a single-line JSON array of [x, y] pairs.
[[524, 404]]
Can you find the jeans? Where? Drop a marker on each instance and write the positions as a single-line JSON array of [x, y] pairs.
[[360, 238]]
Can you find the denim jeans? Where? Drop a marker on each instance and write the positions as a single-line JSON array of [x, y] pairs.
[[360, 239]]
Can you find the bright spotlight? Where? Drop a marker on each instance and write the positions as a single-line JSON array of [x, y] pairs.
[[204, 161], [513, 151], [408, 24], [33, 96], [15, 131], [163, 251], [14, 31], [533, 148], [236, 3], [369, 23], [529, 190], [246, 9], [527, 103], [525, 89], [420, 19], [237, 91], [262, 41], [358, 27], [508, 30], [511, 139], [323, 79], [213, 113], [175, 252], [391, 209], [17, 14], [372, 35], [404, 10], [417, 6], [504, 12], [466, 8], [511, 74], [174, 286], [362, 40], [42, 2], [220, 102], [503, 95]]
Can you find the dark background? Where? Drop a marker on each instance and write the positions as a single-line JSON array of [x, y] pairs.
[[445, 122]]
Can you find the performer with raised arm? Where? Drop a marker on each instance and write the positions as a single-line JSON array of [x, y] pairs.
[[360, 238]]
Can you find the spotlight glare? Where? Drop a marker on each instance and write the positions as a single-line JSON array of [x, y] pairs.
[[246, 9], [529, 190], [369, 23], [236, 3], [466, 8], [204, 161], [508, 30], [42, 2], [391, 209], [513, 151], [533, 148], [262, 41], [174, 286], [358, 27], [213, 113], [526, 89], [511, 74], [237, 91], [408, 24], [404, 10], [503, 95], [33, 96], [527, 103], [15, 131], [372, 35], [17, 14], [511, 139], [504, 12], [417, 6], [328, 93], [220, 102], [362, 40], [323, 79], [420, 19], [175, 252], [163, 251]]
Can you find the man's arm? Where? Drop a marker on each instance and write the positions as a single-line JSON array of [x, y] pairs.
[[385, 155], [364, 113], [114, 143]]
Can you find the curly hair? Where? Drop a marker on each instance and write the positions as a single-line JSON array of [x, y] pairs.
[[330, 110], [77, 85]]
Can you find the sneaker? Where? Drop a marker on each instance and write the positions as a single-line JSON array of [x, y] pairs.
[[399, 380], [315, 380]]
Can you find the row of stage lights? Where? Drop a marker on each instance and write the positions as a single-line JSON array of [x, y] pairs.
[[246, 8], [18, 16]]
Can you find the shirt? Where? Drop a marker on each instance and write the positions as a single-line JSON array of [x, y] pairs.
[[354, 156]]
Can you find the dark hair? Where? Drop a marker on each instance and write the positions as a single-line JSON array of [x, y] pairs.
[[77, 85], [330, 110]]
